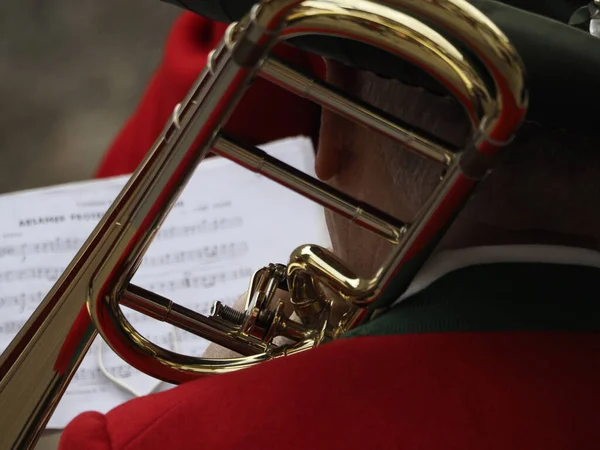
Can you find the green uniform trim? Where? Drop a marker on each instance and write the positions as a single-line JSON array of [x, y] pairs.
[[498, 297]]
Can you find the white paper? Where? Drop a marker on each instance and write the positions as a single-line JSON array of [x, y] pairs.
[[228, 223]]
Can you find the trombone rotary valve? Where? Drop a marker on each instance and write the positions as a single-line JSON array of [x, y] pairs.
[[273, 302]]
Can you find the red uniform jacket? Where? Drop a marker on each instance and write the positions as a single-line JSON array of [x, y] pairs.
[[459, 390], [266, 113]]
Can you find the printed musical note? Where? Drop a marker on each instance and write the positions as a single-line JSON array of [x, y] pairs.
[[33, 273], [58, 245], [11, 326], [205, 226], [22, 300], [206, 254], [206, 281], [122, 371]]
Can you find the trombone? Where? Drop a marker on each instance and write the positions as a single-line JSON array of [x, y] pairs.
[[38, 365]]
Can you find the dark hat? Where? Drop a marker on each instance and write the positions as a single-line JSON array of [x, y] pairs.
[[561, 57]]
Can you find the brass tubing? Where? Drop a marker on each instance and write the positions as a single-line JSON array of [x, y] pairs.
[[163, 309], [261, 162], [325, 95]]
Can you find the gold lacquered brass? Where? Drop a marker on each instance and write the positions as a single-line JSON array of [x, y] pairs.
[[325, 298]]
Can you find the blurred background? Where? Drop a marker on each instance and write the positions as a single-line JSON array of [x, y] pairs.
[[72, 72]]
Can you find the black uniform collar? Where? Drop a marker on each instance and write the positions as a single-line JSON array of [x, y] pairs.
[[500, 296]]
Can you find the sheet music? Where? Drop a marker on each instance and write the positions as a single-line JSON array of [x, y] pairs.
[[227, 223]]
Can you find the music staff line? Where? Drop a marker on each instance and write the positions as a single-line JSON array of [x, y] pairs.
[[190, 281], [54, 246], [204, 226], [71, 245], [186, 281], [12, 326], [207, 254], [22, 300], [123, 371], [32, 273]]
